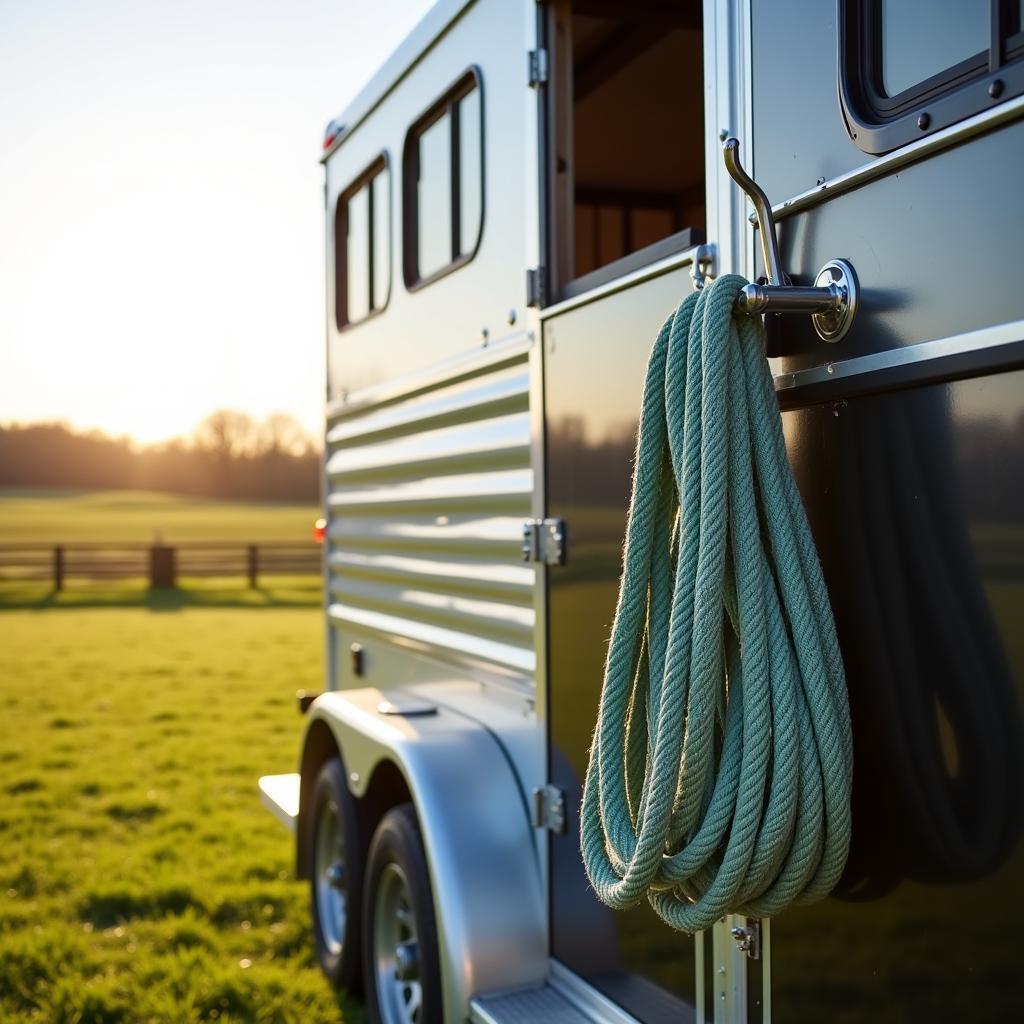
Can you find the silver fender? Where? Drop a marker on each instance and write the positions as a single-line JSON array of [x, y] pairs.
[[488, 895]]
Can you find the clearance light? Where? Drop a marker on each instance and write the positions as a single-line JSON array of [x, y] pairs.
[[331, 132], [319, 530]]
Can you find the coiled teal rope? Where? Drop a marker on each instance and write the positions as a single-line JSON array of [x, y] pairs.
[[720, 771]]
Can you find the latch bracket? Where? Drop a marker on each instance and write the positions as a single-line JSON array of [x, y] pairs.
[[544, 540], [549, 809], [748, 938]]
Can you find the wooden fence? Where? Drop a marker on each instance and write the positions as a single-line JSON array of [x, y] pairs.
[[161, 564]]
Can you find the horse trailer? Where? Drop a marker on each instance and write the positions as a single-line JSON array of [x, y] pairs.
[[515, 203]]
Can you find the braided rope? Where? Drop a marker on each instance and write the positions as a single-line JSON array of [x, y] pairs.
[[720, 771]]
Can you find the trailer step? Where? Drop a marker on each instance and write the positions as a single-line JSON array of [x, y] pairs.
[[280, 795], [541, 1005]]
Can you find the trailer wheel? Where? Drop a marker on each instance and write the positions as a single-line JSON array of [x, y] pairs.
[[402, 971], [336, 846]]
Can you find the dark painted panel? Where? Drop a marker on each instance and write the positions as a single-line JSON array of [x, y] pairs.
[[935, 247], [917, 502], [799, 135], [595, 362]]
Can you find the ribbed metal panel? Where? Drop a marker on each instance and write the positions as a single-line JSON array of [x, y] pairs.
[[428, 484]]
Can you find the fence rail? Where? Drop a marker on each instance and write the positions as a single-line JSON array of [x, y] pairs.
[[161, 564]]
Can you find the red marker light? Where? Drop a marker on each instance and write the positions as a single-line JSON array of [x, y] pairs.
[[320, 530], [331, 132]]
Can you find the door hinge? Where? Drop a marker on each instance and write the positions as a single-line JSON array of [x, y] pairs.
[[549, 809], [536, 292], [544, 540], [537, 68]]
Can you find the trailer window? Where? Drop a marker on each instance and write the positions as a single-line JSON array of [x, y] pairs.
[[362, 250], [626, 145], [443, 185], [910, 67]]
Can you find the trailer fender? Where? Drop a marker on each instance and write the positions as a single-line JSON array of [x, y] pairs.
[[484, 868]]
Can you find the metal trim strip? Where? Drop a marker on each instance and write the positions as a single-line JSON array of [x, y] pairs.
[[663, 266], [436, 639], [830, 379], [449, 371], [883, 166]]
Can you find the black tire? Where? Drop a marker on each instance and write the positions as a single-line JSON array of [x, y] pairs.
[[340, 962], [397, 842]]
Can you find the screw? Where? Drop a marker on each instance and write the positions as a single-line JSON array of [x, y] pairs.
[[923, 121], [995, 89], [830, 369]]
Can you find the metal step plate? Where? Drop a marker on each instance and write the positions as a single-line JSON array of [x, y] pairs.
[[542, 1005], [280, 795]]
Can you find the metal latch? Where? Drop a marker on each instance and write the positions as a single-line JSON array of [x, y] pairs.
[[537, 68], [748, 938], [544, 541], [549, 809]]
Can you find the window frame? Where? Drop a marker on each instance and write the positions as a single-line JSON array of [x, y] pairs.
[[878, 123], [448, 104], [381, 164]]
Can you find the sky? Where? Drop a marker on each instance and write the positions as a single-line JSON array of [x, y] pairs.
[[161, 203]]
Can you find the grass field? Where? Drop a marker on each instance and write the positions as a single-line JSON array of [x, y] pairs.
[[64, 516], [140, 878]]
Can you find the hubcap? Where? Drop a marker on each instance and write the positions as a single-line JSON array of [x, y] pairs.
[[329, 868], [396, 951]]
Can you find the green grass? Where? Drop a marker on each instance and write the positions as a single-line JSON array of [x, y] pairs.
[[140, 878], [67, 516]]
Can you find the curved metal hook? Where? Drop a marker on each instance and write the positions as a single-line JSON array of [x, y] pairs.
[[763, 209]]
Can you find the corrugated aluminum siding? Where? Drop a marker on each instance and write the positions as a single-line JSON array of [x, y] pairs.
[[429, 483]]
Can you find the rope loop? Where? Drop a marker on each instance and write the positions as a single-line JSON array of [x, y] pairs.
[[720, 771]]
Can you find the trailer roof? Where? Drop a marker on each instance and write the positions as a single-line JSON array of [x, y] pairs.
[[408, 53]]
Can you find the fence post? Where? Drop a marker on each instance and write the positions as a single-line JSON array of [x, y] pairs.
[[162, 566], [58, 568], [253, 562]]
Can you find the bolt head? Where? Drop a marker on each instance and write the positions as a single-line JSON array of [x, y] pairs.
[[923, 121], [995, 88], [407, 961]]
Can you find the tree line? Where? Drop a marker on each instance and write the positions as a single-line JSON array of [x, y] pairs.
[[229, 455]]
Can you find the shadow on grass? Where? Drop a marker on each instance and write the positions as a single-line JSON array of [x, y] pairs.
[[286, 592]]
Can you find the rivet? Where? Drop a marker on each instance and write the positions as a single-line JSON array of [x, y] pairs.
[[923, 121], [995, 88]]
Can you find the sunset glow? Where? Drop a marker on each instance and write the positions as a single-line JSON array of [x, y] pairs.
[[161, 250]]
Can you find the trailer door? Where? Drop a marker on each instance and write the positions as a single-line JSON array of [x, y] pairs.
[[637, 200]]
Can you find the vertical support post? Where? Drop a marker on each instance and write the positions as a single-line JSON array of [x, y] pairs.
[[58, 568], [253, 565], [162, 566]]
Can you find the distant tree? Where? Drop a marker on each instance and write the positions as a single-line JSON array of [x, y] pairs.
[[228, 455]]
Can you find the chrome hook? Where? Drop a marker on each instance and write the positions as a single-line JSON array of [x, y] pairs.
[[832, 301]]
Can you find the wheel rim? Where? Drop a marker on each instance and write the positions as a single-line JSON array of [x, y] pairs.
[[331, 891], [399, 988]]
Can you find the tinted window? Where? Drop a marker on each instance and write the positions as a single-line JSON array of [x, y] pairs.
[[444, 184], [920, 40], [362, 278], [912, 67]]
